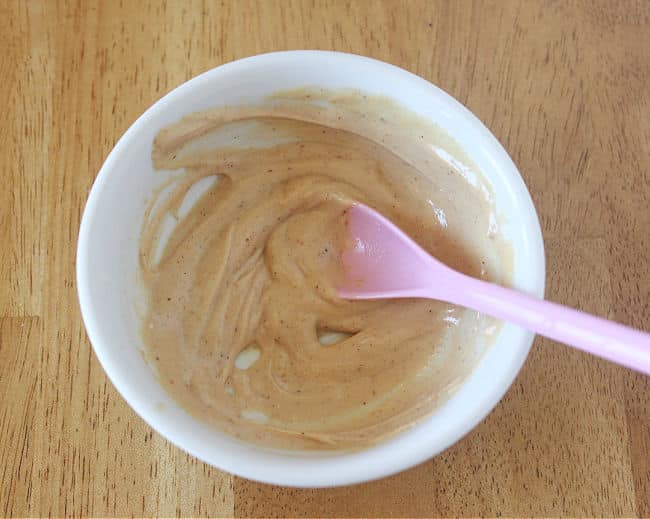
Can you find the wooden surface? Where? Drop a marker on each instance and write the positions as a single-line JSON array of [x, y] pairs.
[[563, 85]]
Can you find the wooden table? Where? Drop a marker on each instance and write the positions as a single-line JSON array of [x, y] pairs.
[[563, 85]]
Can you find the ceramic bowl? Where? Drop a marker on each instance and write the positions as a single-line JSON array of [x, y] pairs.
[[107, 267]]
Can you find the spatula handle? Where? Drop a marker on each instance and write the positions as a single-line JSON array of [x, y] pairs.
[[607, 339]]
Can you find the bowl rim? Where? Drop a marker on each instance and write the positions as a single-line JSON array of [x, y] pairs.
[[285, 468]]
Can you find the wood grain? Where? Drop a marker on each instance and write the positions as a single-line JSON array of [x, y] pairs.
[[564, 86]]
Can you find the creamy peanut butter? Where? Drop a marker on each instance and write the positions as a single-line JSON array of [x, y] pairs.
[[238, 254]]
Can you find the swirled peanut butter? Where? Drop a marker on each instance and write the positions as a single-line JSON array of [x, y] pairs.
[[239, 254]]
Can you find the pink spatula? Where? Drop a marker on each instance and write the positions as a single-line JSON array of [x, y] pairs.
[[383, 262]]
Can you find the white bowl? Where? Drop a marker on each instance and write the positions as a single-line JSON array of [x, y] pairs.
[[107, 265]]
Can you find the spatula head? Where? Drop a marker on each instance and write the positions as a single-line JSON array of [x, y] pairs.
[[379, 260]]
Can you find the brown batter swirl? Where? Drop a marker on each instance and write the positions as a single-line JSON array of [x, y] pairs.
[[251, 267]]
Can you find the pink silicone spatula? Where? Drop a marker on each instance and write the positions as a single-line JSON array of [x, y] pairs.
[[383, 262]]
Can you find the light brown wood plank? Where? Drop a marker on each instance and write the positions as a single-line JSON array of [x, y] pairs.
[[20, 388], [26, 120]]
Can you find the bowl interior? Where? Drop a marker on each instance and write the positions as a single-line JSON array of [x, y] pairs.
[[107, 265]]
